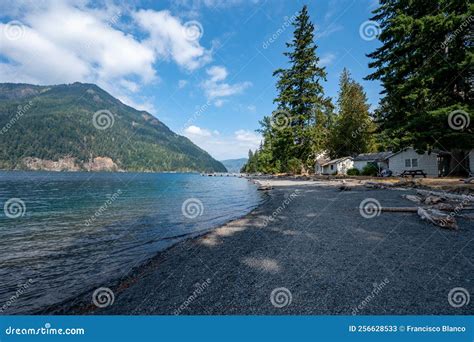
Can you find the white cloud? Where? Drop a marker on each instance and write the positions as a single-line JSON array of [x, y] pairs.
[[182, 84], [326, 59], [222, 146], [251, 108], [215, 87], [219, 103], [168, 38], [248, 137], [69, 41], [197, 131]]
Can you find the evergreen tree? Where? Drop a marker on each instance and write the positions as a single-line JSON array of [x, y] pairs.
[[295, 130], [353, 129], [425, 66]]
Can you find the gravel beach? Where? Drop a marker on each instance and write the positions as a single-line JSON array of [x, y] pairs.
[[318, 255]]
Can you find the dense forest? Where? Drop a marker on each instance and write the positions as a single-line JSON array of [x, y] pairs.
[[83, 121], [424, 64]]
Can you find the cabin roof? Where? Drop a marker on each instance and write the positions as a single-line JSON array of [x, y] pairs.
[[372, 156], [335, 161]]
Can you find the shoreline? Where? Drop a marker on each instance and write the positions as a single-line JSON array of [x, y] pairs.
[[241, 262], [76, 305]]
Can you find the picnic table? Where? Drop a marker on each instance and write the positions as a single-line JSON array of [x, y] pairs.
[[413, 173]]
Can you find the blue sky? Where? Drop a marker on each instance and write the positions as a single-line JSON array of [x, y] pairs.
[[203, 67]]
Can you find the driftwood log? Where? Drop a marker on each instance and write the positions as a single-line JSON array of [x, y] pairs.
[[469, 198], [437, 218]]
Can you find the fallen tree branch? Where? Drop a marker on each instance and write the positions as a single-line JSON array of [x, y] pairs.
[[437, 218], [445, 194]]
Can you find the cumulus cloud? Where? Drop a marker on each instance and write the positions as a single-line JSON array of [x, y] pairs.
[[222, 146], [63, 42], [170, 38], [197, 131], [216, 88]]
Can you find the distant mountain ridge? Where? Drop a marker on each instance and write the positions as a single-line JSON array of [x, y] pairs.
[[82, 127], [234, 165]]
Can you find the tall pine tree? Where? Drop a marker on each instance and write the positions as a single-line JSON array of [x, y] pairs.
[[301, 105], [425, 66]]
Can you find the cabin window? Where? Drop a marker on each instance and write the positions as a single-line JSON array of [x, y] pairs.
[[407, 163], [414, 162], [332, 167]]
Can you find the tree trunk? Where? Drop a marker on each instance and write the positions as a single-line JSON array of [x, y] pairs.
[[458, 163]]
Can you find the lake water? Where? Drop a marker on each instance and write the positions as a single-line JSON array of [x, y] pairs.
[[62, 234]]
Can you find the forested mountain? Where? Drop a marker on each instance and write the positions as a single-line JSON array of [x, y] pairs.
[[80, 126]]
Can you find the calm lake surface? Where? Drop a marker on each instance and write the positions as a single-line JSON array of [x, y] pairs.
[[62, 234]]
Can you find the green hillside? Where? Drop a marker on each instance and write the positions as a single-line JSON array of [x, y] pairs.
[[84, 122]]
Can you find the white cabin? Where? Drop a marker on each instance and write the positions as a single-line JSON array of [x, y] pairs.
[[337, 166], [409, 159]]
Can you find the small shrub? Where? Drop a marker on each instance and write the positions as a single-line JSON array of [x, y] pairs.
[[353, 172], [370, 170]]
